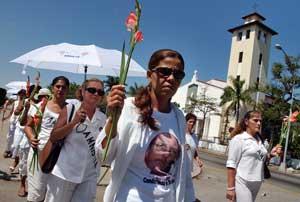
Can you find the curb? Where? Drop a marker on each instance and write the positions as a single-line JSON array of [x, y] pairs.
[[220, 158]]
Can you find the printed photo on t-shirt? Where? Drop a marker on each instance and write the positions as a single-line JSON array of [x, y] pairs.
[[162, 153]]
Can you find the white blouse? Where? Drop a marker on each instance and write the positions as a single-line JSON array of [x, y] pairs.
[[247, 156], [77, 159]]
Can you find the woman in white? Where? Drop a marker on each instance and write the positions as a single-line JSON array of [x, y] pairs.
[[36, 178], [147, 153], [192, 141], [245, 163], [74, 177], [21, 145], [12, 124]]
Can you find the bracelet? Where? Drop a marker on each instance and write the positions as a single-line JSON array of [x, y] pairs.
[[230, 188]]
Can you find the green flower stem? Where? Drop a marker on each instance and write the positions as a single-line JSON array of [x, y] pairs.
[[123, 76], [114, 116], [116, 112]]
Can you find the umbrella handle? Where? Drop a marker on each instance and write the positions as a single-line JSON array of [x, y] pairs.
[[85, 72]]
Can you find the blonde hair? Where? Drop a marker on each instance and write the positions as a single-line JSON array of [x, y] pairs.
[[84, 85]]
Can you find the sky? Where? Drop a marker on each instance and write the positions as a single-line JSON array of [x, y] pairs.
[[195, 28]]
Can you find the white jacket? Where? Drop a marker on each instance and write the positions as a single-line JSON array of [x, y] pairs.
[[123, 147]]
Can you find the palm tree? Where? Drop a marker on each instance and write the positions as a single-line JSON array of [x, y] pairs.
[[109, 82], [236, 95], [132, 91]]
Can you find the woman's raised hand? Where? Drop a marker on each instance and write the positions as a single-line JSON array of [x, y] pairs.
[[80, 115]]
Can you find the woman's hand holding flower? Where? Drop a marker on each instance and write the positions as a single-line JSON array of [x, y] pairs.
[[115, 99], [34, 142]]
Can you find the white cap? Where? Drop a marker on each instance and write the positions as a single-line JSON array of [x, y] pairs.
[[42, 91]]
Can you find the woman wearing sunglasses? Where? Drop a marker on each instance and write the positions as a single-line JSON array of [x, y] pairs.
[[246, 156], [147, 154], [74, 176], [37, 180]]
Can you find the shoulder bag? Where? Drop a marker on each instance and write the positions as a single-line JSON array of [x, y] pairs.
[[52, 158]]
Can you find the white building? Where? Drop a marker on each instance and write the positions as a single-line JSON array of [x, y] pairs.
[[249, 61], [212, 89]]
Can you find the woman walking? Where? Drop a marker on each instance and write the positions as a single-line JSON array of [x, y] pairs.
[[37, 180], [192, 143], [74, 176], [147, 153], [246, 156], [20, 143]]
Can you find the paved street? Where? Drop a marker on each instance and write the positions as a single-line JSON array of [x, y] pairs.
[[209, 188]]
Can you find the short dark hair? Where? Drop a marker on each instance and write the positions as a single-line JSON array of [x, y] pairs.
[[22, 91], [189, 116], [63, 78]]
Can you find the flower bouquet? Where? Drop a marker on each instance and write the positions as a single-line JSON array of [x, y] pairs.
[[136, 36], [30, 96], [294, 119], [37, 122]]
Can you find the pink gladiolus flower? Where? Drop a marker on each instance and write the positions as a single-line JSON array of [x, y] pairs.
[[131, 21], [36, 120], [294, 116], [138, 37], [43, 104]]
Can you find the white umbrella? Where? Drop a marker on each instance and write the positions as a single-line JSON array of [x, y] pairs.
[[16, 85], [88, 59], [13, 91]]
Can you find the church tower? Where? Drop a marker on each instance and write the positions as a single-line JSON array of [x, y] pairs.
[[250, 49]]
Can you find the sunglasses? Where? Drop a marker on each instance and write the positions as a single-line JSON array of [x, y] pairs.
[[256, 120], [166, 72], [92, 90]]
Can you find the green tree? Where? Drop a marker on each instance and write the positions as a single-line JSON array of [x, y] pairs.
[[203, 104], [109, 82], [236, 95], [285, 77], [73, 90], [132, 91]]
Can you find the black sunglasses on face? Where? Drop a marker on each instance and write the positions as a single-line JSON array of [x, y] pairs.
[[166, 72], [92, 90]]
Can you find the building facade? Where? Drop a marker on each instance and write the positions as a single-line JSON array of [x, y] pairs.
[[249, 61], [207, 128], [250, 50]]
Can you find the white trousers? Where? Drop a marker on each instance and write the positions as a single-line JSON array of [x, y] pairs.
[[59, 190], [37, 181], [10, 136], [23, 154], [246, 191], [18, 135]]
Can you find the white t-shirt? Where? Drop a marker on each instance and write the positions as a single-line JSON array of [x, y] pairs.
[[18, 121], [247, 156], [191, 140], [48, 121], [13, 118], [77, 159], [151, 173]]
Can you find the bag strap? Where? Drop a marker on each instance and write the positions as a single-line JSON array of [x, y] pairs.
[[69, 120], [71, 114]]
